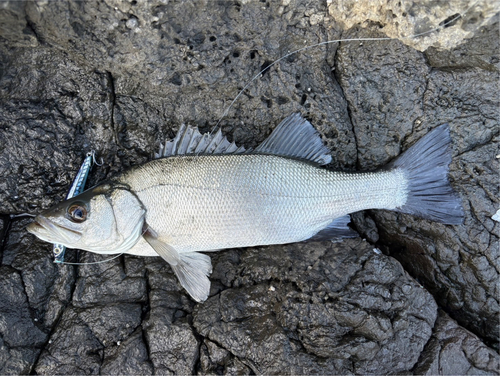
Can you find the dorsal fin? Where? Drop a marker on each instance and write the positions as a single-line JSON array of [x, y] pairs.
[[189, 140], [296, 137]]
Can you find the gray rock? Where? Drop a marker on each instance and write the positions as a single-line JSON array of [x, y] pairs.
[[48, 286], [442, 25], [129, 357], [305, 308], [72, 349], [113, 281], [118, 77], [21, 337], [453, 350], [446, 259], [172, 343], [49, 105], [34, 294]]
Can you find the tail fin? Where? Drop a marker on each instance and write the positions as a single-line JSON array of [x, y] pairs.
[[426, 166]]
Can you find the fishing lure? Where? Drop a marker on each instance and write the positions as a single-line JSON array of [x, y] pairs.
[[77, 187]]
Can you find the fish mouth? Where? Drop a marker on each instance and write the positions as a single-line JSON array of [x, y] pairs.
[[50, 231]]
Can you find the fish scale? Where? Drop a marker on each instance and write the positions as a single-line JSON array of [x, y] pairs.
[[200, 203]]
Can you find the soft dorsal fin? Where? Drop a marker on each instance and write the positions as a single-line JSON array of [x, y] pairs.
[[189, 140], [296, 137]]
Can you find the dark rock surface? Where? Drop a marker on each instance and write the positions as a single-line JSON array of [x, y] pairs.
[[337, 308], [452, 350], [452, 88], [119, 76]]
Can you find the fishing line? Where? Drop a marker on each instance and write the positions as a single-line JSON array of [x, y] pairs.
[[87, 263], [331, 42], [12, 216]]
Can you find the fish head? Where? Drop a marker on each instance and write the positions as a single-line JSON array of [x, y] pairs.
[[104, 219]]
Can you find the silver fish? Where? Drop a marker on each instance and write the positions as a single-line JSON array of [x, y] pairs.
[[204, 194]]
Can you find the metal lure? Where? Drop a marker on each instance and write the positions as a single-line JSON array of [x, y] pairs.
[[76, 188]]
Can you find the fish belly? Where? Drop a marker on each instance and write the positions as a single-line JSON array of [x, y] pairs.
[[214, 202]]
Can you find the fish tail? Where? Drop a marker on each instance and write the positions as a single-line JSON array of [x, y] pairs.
[[426, 167]]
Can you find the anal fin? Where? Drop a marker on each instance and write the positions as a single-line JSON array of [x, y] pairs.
[[337, 229]]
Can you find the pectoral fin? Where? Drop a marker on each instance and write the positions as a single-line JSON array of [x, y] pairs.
[[192, 271], [192, 268], [168, 253]]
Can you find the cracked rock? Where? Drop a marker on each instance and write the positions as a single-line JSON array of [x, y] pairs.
[[453, 350], [290, 306], [130, 357], [119, 77], [449, 259]]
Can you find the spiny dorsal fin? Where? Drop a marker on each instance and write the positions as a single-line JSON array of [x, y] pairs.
[[296, 137], [189, 140]]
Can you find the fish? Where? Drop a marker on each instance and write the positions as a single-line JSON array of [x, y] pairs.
[[202, 193]]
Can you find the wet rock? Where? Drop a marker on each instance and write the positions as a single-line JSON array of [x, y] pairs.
[[129, 357], [89, 335], [446, 259], [118, 77], [453, 350], [72, 349], [21, 336], [48, 286], [49, 104], [455, 20], [306, 308], [34, 294], [17, 361], [107, 283], [173, 346], [4, 224]]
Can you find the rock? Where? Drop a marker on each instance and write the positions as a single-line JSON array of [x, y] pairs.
[[121, 76], [172, 343], [4, 224], [72, 349], [21, 337], [50, 104], [466, 99], [453, 350], [108, 282], [34, 294], [309, 309], [130, 357], [48, 286], [437, 24]]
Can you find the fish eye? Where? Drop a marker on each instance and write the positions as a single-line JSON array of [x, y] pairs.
[[77, 213]]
